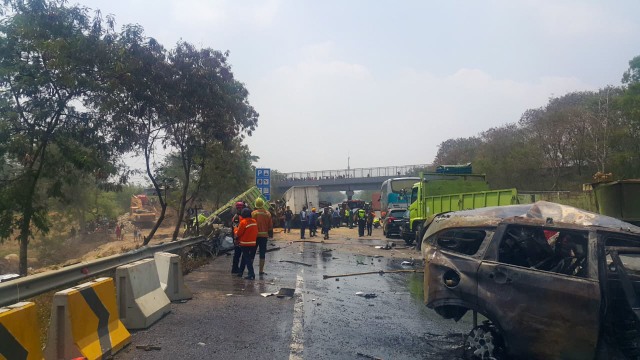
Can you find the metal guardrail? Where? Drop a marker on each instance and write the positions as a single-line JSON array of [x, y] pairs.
[[19, 289]]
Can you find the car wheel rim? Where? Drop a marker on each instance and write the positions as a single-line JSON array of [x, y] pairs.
[[481, 342]]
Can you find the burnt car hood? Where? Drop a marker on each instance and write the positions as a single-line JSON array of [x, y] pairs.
[[539, 212]]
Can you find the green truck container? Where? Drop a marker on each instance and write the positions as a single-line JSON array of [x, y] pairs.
[[437, 193], [619, 199]]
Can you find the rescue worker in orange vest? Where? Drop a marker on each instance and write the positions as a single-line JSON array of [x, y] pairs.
[[237, 250], [265, 227], [247, 233]]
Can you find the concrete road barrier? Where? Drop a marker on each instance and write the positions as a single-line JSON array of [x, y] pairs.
[[85, 322], [19, 333], [170, 275], [141, 299]]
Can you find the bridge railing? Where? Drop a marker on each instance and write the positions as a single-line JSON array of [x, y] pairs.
[[388, 171]]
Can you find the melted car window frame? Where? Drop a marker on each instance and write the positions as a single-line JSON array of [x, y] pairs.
[[558, 250], [453, 240]]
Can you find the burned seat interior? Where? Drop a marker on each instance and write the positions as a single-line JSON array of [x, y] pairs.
[[561, 251]]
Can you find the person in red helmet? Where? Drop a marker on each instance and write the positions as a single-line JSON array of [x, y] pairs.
[[237, 251]]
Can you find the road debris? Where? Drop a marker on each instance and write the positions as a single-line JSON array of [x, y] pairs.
[[380, 272], [273, 249], [368, 356], [366, 295], [285, 292], [295, 262], [408, 263], [388, 246], [309, 241], [148, 347], [201, 344]]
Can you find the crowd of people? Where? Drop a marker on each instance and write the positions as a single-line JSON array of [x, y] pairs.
[[331, 218], [251, 230], [121, 229]]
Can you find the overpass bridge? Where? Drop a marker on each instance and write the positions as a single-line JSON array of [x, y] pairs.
[[345, 179]]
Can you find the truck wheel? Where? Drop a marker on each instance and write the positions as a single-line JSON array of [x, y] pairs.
[[418, 237], [407, 238]]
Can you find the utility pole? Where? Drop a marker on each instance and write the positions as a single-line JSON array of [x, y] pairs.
[[349, 191]]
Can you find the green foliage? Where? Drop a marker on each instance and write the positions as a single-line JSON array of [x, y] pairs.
[[226, 173], [632, 75], [122, 198], [76, 95], [456, 151], [558, 146], [48, 58]]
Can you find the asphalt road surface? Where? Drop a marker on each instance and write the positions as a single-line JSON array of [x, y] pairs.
[[325, 319]]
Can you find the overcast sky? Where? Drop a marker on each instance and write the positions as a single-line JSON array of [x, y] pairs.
[[385, 82]]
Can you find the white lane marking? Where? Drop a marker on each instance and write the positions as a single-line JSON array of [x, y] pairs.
[[296, 348]]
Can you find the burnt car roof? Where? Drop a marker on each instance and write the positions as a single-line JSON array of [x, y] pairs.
[[539, 213]]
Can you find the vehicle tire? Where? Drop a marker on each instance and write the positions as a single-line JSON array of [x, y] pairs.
[[484, 342], [418, 238]]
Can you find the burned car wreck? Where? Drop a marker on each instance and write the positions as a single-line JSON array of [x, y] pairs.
[[553, 281]]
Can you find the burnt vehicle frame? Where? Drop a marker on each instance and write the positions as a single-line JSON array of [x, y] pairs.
[[574, 296]]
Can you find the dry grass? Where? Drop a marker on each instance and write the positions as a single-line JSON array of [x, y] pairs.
[[43, 311]]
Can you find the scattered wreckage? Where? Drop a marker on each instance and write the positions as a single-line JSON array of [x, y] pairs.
[[553, 281]]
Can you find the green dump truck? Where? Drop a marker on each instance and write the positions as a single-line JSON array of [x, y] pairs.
[[444, 191]]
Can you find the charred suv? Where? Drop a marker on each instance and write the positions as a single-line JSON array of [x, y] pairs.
[[553, 281]]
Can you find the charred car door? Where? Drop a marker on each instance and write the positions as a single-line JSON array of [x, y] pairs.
[[540, 287], [453, 257], [620, 278]]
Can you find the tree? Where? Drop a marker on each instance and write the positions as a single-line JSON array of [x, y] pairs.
[[602, 124], [629, 105], [208, 106], [135, 97], [508, 158], [457, 151], [551, 129], [48, 59], [228, 172]]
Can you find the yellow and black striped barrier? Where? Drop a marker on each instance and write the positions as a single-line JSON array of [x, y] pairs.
[[19, 334], [85, 322]]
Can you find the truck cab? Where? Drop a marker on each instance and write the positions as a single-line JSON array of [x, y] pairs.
[[423, 204]]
